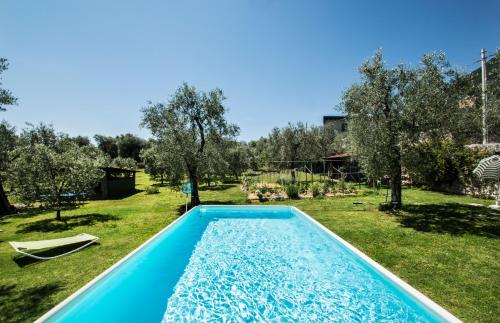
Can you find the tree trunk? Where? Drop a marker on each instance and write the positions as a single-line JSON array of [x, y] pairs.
[[161, 179], [58, 210], [195, 198], [396, 199], [5, 207]]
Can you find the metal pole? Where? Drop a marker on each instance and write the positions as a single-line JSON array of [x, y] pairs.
[[484, 96], [312, 173]]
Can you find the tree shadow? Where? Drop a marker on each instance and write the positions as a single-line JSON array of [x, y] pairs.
[[3, 221], [221, 187], [452, 218], [68, 223], [159, 185], [23, 261], [121, 196], [25, 305], [28, 212], [6, 290]]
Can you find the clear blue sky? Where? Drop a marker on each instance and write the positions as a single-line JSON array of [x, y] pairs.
[[89, 66]]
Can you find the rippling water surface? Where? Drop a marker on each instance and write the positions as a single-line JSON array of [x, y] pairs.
[[273, 269]]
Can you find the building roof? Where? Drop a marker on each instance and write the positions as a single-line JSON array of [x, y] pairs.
[[328, 118], [337, 157], [118, 170]]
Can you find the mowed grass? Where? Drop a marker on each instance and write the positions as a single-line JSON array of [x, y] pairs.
[[439, 244]]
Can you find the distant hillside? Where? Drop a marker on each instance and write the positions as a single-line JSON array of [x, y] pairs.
[[493, 71]]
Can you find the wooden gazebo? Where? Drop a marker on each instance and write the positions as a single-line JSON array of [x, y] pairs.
[[116, 182]]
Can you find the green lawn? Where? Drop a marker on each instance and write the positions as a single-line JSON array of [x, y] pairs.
[[445, 248]]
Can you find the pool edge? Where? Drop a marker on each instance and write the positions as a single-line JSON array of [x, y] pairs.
[[420, 297], [412, 291], [82, 289]]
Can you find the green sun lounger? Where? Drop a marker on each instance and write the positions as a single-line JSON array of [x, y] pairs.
[[24, 247]]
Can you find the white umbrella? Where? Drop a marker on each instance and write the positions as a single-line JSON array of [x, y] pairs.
[[489, 170]]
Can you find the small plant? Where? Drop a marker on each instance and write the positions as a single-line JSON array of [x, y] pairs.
[[247, 183], [284, 181], [316, 189], [304, 187], [292, 191], [261, 196], [341, 185], [152, 190]]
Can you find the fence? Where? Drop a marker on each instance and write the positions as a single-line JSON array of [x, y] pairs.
[[305, 171]]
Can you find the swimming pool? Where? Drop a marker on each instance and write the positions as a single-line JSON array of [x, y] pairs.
[[241, 263]]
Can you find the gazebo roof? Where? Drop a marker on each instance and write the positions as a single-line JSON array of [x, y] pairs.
[[118, 170], [338, 157]]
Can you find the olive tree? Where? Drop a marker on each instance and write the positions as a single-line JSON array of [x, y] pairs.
[[8, 140], [121, 162], [162, 165], [6, 98], [392, 110], [51, 169], [186, 124]]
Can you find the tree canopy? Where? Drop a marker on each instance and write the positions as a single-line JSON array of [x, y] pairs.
[[186, 125], [126, 146], [6, 97], [393, 110], [51, 169]]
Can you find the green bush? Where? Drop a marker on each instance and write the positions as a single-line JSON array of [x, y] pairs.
[[292, 191], [152, 190], [316, 189], [284, 181], [341, 186], [261, 196], [329, 187], [304, 187], [438, 164], [247, 182]]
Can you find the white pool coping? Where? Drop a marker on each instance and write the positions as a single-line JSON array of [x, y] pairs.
[[424, 300]]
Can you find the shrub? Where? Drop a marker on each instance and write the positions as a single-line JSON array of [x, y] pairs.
[[329, 187], [284, 181], [261, 196], [292, 191], [316, 189], [440, 164], [341, 185], [152, 190], [304, 187]]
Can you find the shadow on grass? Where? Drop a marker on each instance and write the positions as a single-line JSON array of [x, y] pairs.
[[68, 223], [160, 185], [27, 304], [221, 187], [121, 196], [28, 212], [23, 261], [452, 218]]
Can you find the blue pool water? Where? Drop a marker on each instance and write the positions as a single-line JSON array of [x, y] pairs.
[[242, 264]]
